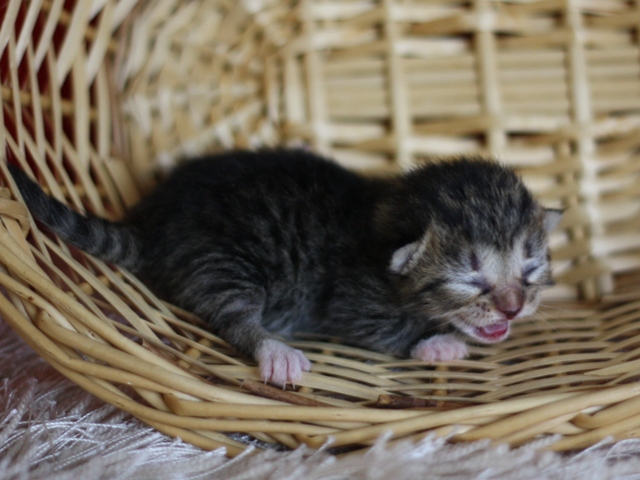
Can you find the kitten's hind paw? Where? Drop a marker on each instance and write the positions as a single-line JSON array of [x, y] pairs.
[[280, 364], [439, 348]]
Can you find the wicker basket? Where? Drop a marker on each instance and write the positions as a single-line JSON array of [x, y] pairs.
[[98, 97]]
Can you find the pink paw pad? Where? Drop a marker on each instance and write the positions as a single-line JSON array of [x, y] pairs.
[[440, 348], [281, 364]]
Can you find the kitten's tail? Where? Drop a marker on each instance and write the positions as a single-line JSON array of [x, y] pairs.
[[110, 241]]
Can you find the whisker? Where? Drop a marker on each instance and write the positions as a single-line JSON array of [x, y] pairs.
[[548, 321], [539, 318]]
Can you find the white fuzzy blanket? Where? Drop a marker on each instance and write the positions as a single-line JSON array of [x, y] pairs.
[[51, 429]]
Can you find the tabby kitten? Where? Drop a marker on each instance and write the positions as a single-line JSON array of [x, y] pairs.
[[258, 243]]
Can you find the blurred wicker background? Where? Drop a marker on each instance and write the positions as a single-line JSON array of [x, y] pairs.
[[99, 97], [550, 87]]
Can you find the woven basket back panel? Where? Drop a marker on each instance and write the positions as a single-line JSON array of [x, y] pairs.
[[101, 97], [550, 87]]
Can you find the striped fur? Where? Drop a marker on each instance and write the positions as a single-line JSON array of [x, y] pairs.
[[111, 241], [285, 241]]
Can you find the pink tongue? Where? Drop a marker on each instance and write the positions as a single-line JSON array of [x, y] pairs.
[[495, 330]]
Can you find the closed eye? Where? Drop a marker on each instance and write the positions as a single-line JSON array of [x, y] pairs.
[[481, 284], [528, 272]]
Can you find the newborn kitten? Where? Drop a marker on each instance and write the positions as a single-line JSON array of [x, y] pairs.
[[285, 241]]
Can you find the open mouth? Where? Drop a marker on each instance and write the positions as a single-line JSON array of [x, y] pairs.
[[494, 332]]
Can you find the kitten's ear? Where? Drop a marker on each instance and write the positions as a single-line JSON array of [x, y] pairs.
[[552, 217], [405, 258], [401, 261]]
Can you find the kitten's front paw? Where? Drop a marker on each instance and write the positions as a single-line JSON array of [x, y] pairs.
[[281, 364], [440, 348]]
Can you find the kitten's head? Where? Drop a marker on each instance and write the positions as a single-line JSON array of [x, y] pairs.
[[481, 259]]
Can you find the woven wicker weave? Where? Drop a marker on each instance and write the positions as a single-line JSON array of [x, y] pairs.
[[98, 97]]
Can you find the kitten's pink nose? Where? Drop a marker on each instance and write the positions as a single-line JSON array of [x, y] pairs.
[[509, 302]]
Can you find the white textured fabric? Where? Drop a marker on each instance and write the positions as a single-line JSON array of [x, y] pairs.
[[51, 429]]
